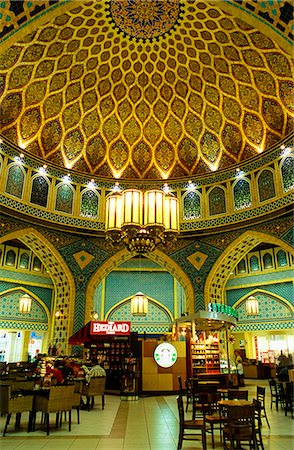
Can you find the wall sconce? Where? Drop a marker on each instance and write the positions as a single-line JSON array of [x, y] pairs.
[[252, 306], [25, 304], [58, 314], [94, 315]]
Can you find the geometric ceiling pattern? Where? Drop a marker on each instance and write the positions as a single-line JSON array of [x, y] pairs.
[[107, 88]]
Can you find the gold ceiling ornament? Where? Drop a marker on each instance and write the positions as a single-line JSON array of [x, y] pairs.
[[141, 220], [25, 304], [252, 306]]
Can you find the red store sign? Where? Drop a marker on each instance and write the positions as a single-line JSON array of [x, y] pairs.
[[111, 328]]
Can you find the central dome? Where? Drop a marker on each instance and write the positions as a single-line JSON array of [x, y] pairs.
[[145, 19]]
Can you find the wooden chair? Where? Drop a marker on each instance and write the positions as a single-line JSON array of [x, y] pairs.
[[260, 396], [240, 395], [289, 405], [211, 411], [77, 397], [281, 395], [92, 389], [274, 393], [240, 428], [59, 400], [190, 425], [257, 405], [189, 393], [14, 405]]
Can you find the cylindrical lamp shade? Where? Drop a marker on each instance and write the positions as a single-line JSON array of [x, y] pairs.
[[139, 305], [132, 208], [25, 304], [153, 208], [114, 212], [171, 214], [252, 307]]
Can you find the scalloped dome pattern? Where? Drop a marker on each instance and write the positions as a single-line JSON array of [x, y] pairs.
[[81, 94]]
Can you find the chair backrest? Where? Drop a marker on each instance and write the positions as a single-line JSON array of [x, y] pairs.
[[260, 394], [232, 393], [273, 387], [180, 383], [257, 409], [241, 421], [208, 401], [96, 386], [61, 397], [180, 409]]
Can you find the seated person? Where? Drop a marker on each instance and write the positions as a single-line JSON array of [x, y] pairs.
[[95, 371], [55, 372], [67, 370]]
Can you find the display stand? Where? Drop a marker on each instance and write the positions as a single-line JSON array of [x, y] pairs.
[[205, 353], [130, 380]]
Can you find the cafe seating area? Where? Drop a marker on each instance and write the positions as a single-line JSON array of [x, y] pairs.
[[150, 423]]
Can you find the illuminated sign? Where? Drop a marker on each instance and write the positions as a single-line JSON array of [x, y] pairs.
[[165, 355], [225, 309], [111, 328]]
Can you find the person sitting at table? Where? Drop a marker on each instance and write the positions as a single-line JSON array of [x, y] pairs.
[[55, 372], [95, 371], [66, 369]]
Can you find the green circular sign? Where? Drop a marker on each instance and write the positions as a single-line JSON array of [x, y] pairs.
[[165, 355]]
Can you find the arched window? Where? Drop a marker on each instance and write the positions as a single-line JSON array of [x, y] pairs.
[[266, 185], [10, 258], [217, 201], [15, 181], [39, 193], [37, 264], [64, 199], [242, 195], [191, 206], [268, 261], [254, 264], [287, 171], [24, 261], [241, 267], [282, 258], [89, 204]]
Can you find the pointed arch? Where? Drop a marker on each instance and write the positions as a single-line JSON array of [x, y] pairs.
[[63, 281], [214, 290], [124, 255]]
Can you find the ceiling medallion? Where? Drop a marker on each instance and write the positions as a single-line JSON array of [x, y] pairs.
[[145, 19]]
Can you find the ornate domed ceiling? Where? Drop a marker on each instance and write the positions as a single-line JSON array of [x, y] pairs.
[[146, 89]]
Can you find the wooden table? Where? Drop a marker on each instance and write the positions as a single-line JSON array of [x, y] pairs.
[[235, 402]]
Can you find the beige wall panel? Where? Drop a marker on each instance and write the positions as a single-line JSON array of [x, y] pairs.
[[165, 382], [149, 366], [180, 348], [148, 347], [150, 382], [179, 366]]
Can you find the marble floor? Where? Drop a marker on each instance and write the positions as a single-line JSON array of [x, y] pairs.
[[150, 423]]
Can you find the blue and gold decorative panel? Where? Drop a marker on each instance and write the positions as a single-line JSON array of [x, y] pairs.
[[89, 204], [9, 303], [156, 315], [270, 308]]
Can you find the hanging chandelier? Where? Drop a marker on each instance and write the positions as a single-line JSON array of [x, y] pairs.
[[141, 220], [252, 306]]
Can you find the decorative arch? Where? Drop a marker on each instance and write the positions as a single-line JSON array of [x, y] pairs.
[[40, 185], [158, 319], [217, 202], [214, 290], [266, 187], [63, 282], [124, 255], [191, 205], [33, 296], [256, 291]]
